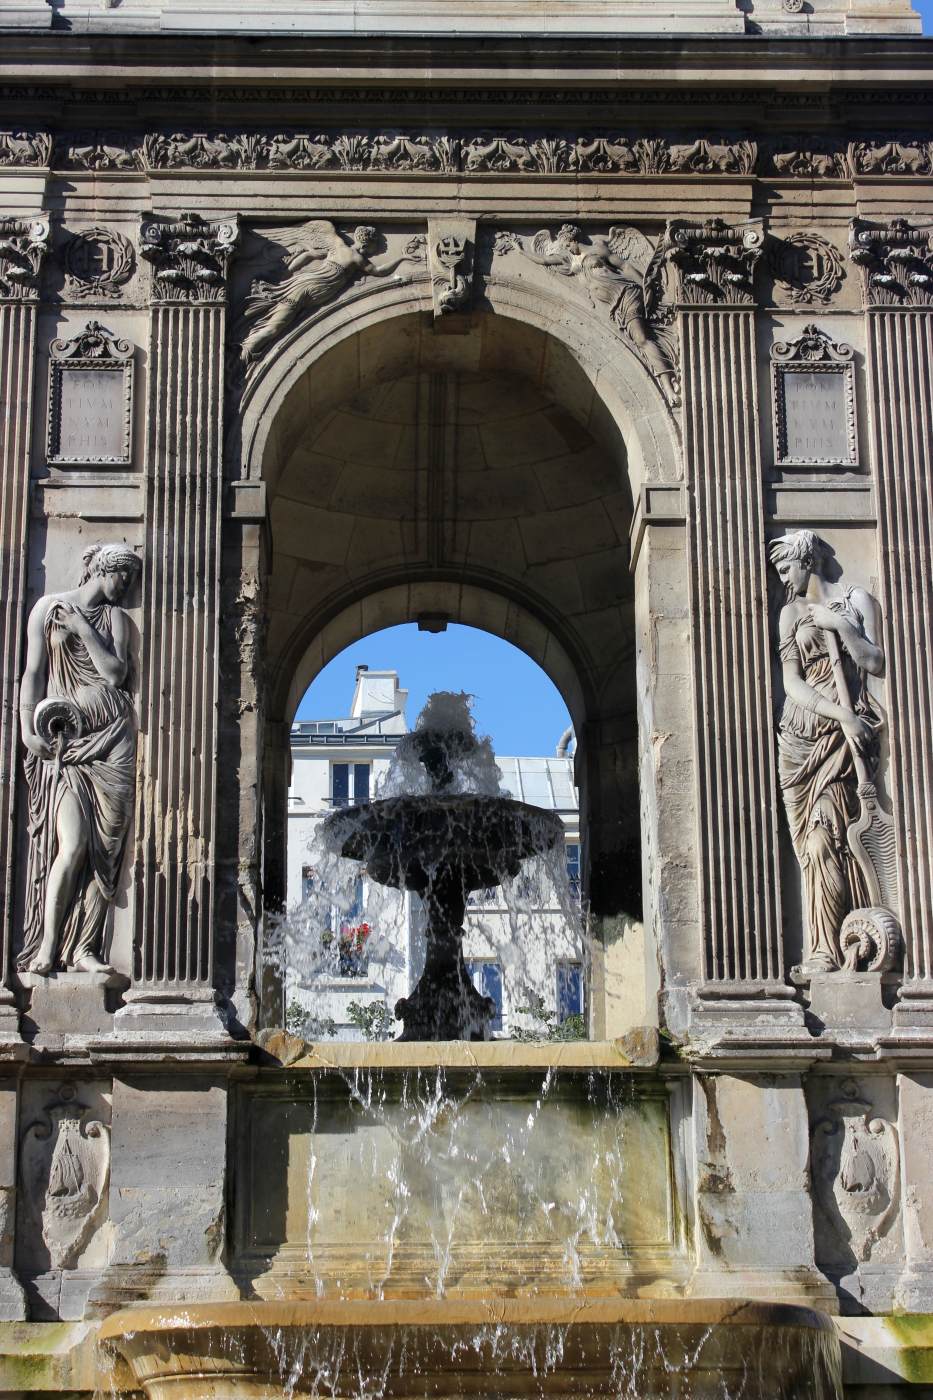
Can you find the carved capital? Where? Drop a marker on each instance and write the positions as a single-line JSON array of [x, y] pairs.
[[896, 262], [23, 245], [715, 261], [190, 257]]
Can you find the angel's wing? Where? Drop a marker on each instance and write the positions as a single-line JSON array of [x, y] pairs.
[[315, 236], [544, 245], [631, 246]]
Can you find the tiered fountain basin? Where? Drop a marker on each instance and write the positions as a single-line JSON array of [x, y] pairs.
[[631, 1349]]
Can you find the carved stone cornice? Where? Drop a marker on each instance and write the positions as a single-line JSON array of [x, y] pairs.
[[896, 262], [190, 257], [715, 261], [23, 245]]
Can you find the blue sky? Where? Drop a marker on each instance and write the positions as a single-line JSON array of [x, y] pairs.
[[515, 702], [926, 10]]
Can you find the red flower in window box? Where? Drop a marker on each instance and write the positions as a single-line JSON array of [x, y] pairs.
[[351, 949]]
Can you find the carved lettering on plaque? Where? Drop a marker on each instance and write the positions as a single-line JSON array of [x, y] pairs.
[[813, 401], [90, 399]]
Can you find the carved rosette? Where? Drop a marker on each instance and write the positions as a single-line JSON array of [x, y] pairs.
[[65, 1169], [856, 1170], [715, 261], [23, 245], [896, 262], [190, 257]]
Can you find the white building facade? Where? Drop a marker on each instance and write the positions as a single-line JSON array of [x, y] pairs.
[[523, 947]]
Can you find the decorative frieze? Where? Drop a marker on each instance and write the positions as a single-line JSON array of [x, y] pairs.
[[896, 262], [30, 149], [715, 261], [813, 401], [189, 257], [90, 412]]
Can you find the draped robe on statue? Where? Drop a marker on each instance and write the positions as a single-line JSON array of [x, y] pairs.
[[98, 769], [819, 785]]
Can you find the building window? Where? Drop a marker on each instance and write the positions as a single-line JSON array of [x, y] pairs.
[[349, 784], [572, 850], [569, 990], [307, 882], [353, 934], [486, 977]]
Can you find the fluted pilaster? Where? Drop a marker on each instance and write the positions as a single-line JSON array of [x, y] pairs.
[[176, 805], [896, 262], [24, 246], [737, 785]]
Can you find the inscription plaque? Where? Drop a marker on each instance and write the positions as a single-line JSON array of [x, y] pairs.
[[815, 416], [813, 399], [90, 399]]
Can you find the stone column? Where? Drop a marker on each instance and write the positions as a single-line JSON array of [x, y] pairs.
[[896, 263], [173, 991], [23, 244], [740, 902]]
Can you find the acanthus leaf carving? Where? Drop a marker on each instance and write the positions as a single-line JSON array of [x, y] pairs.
[[190, 257], [620, 272], [811, 159], [806, 267], [65, 1169], [23, 246], [896, 262], [321, 262], [856, 1170], [715, 261], [907, 156], [29, 149]]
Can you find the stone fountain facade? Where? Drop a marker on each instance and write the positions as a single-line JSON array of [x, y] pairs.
[[621, 348]]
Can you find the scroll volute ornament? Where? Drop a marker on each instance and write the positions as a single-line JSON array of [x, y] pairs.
[[896, 262], [715, 261]]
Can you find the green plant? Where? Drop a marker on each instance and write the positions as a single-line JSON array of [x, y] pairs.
[[375, 1021], [298, 1021], [570, 1028]]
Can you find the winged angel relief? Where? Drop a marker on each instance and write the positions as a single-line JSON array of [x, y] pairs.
[[321, 262], [623, 272]]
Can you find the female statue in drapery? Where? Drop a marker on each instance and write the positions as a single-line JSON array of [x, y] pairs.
[[78, 726], [828, 735]]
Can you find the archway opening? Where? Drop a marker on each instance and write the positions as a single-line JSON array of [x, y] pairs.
[[354, 949], [474, 479]]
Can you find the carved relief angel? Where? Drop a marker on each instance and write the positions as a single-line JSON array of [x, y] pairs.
[[321, 262], [617, 271]]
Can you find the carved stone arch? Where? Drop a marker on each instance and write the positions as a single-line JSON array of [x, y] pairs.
[[489, 603], [630, 396]]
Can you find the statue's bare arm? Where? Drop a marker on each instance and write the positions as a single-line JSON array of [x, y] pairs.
[[33, 683]]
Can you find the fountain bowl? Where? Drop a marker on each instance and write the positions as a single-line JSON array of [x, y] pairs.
[[404, 841], [652, 1349]]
